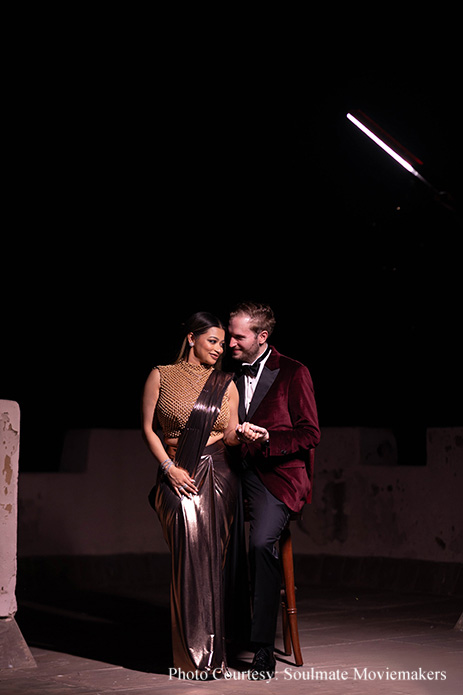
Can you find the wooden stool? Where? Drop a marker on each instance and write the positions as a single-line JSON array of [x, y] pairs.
[[288, 594]]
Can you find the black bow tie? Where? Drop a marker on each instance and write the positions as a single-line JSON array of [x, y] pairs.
[[252, 369]]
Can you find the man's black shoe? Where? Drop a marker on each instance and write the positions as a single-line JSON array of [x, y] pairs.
[[263, 666]]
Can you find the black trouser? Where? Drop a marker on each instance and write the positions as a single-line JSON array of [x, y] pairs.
[[268, 517]]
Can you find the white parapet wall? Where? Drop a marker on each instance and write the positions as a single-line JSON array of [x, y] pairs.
[[364, 504], [97, 504]]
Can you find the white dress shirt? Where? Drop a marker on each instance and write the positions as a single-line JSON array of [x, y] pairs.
[[250, 382]]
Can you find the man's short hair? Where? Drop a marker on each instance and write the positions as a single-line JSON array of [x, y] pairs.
[[261, 315]]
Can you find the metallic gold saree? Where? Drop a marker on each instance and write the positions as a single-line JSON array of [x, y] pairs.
[[197, 531]]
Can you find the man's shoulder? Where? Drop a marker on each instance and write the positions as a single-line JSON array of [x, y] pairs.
[[287, 363]]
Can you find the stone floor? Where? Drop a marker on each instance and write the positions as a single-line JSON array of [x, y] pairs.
[[352, 642]]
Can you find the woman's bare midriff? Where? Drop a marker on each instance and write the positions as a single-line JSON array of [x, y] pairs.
[[171, 444]]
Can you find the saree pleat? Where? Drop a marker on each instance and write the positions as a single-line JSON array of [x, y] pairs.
[[197, 531]]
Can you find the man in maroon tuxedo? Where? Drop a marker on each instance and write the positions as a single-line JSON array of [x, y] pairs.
[[277, 397]]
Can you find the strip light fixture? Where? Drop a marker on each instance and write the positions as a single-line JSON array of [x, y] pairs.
[[406, 165], [393, 148], [367, 126]]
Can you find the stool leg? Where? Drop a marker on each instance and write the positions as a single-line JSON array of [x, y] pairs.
[[285, 625], [286, 550]]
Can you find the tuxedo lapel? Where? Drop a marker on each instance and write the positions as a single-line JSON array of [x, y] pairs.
[[267, 378], [241, 406]]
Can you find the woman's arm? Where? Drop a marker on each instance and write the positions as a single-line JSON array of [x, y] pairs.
[[178, 477], [149, 402]]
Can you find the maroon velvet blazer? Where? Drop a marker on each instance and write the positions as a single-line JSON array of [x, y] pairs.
[[283, 403]]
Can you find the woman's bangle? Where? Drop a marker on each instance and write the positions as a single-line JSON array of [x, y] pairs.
[[165, 465]]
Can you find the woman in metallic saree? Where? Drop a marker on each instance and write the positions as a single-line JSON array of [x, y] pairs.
[[195, 495]]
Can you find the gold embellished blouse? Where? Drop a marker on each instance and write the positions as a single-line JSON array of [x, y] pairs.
[[180, 386]]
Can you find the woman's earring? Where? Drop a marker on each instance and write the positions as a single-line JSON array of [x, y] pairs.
[[191, 344]]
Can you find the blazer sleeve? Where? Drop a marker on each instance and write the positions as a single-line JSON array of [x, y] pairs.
[[302, 431]]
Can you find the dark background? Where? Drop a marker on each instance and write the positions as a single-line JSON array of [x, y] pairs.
[[150, 183]]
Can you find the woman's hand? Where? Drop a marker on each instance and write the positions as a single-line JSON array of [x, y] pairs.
[[247, 432], [181, 482]]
